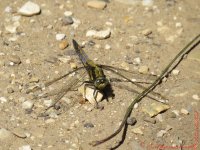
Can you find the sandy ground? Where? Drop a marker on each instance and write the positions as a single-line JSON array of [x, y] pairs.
[[154, 34]]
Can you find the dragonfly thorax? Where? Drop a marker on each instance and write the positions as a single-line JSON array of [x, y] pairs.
[[101, 82]]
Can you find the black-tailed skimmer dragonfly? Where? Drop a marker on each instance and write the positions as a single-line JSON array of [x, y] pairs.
[[97, 79]]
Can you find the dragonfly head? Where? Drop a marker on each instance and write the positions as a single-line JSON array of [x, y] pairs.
[[101, 82]]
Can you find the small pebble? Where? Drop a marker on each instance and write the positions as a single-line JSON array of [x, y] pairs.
[[150, 120], [88, 93], [175, 72], [88, 125], [11, 29], [27, 105], [161, 133], [172, 115], [96, 4], [143, 69], [68, 13], [195, 97], [29, 9], [13, 38], [8, 9], [131, 121], [136, 106], [146, 32], [51, 120], [48, 103], [63, 44], [53, 114], [76, 23], [159, 117], [15, 59], [107, 47], [125, 65], [49, 26], [60, 36], [109, 23], [10, 90], [3, 100], [176, 112], [25, 147], [67, 20], [178, 25], [73, 65], [34, 79], [100, 35], [184, 111], [128, 2], [65, 59], [137, 60], [147, 2], [67, 100], [137, 130], [19, 133]]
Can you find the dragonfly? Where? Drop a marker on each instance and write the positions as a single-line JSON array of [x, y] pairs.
[[97, 79]]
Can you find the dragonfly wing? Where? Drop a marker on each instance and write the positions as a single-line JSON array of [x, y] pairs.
[[132, 75], [116, 71], [63, 76], [69, 86], [82, 55]]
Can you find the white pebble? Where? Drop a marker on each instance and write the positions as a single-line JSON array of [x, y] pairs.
[[184, 111], [107, 47], [137, 60], [143, 69], [176, 112], [175, 72], [3, 99], [161, 133], [11, 28], [48, 103], [96, 4], [147, 2], [76, 23], [8, 9], [13, 39], [27, 104], [137, 130], [103, 34], [88, 93], [60, 36], [195, 97], [29, 9], [178, 25], [25, 147], [68, 13], [50, 121], [136, 106], [109, 23], [159, 117]]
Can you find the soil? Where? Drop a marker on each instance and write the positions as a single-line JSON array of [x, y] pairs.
[[154, 34]]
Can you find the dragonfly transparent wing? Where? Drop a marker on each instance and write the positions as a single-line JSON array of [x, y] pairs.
[[120, 72], [70, 85]]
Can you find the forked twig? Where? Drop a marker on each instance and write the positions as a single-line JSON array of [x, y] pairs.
[[177, 59]]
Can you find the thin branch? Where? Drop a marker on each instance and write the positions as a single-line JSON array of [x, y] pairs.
[[177, 59]]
